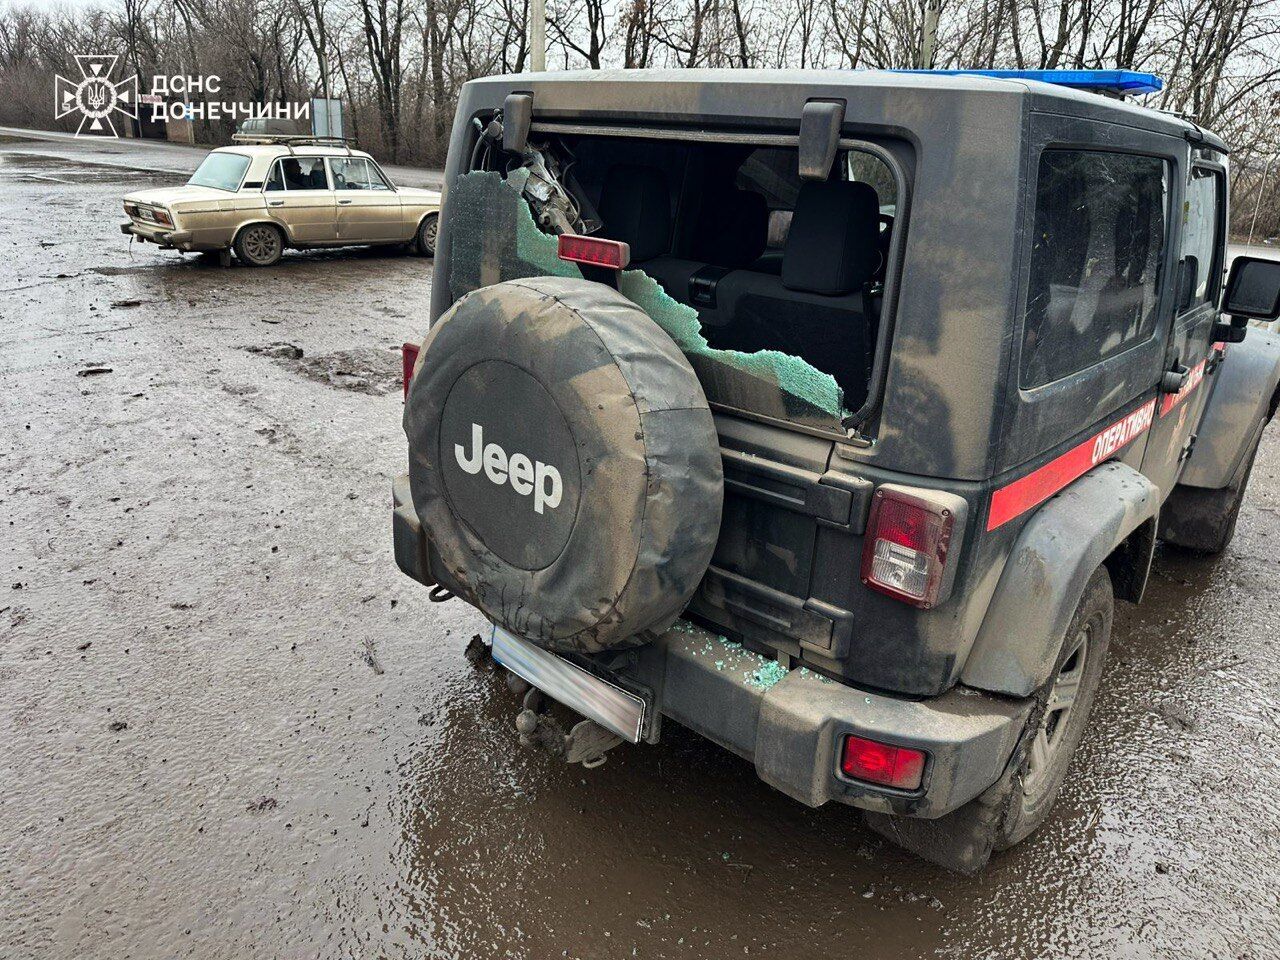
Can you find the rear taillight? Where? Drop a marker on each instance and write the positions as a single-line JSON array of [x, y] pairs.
[[594, 250], [162, 216], [882, 763], [905, 552], [408, 360], [131, 209]]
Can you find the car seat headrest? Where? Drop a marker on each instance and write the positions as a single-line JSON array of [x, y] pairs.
[[832, 246]]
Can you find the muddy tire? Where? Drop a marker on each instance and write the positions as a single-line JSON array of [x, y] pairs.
[[564, 463], [1019, 802], [1060, 722], [1204, 521], [425, 241], [259, 245]]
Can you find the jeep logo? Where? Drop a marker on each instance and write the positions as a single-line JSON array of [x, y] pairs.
[[526, 477]]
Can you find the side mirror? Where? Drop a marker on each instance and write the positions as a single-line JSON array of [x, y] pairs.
[[517, 116], [1253, 289], [1187, 271]]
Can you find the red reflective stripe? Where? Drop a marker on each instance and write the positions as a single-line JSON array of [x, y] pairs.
[[1171, 400], [1035, 488]]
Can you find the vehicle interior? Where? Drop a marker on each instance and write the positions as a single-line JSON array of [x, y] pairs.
[[769, 261], [298, 173]]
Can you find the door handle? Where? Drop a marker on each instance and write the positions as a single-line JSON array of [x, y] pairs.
[[343, 203], [275, 203]]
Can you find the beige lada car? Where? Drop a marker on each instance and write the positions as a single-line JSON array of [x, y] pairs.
[[257, 199]]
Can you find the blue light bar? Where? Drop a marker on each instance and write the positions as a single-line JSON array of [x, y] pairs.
[[1125, 82]]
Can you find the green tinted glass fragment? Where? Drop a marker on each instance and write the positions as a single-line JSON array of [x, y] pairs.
[[493, 237]]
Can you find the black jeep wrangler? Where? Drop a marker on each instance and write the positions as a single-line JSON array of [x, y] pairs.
[[825, 413]]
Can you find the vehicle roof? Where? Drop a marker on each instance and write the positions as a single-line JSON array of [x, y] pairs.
[[678, 91], [271, 150]]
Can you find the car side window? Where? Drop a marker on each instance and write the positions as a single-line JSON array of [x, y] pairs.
[[298, 173], [276, 180], [1201, 226], [1097, 246], [356, 173]]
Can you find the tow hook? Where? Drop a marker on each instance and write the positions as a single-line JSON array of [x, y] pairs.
[[586, 743]]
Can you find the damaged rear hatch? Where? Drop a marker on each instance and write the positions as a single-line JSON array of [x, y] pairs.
[[778, 290]]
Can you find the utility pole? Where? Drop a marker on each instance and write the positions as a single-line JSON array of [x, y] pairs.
[[538, 34], [930, 38]]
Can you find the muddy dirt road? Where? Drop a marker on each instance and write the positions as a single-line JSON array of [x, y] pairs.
[[230, 727]]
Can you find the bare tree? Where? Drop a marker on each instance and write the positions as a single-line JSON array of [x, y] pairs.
[[399, 64], [383, 25]]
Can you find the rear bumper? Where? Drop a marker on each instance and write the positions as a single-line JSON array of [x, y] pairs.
[[792, 730], [163, 236]]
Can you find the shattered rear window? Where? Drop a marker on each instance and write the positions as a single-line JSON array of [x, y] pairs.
[[494, 238]]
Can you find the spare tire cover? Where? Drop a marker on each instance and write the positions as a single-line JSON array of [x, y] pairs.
[[563, 462]]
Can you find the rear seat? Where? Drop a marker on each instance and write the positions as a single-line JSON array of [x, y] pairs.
[[815, 308], [731, 232]]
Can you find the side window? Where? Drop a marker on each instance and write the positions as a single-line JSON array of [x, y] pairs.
[[1096, 249], [356, 173], [1201, 231], [298, 173]]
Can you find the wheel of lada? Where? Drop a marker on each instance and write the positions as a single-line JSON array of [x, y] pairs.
[[426, 238], [563, 462], [259, 245]]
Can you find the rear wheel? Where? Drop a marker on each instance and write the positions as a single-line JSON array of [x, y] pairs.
[[1019, 802], [426, 238], [259, 245], [1061, 726]]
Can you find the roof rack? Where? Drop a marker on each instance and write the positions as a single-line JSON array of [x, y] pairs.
[[292, 140], [1116, 83]]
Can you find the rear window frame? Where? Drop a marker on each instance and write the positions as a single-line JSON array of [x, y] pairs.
[[332, 159], [899, 158]]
